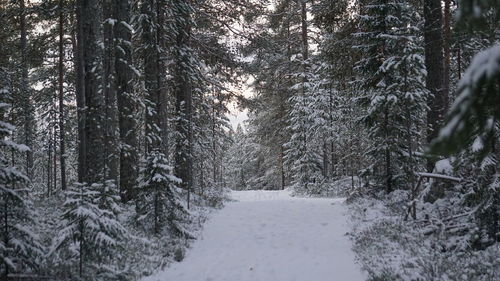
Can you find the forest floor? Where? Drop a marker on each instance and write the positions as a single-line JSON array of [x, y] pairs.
[[271, 236]]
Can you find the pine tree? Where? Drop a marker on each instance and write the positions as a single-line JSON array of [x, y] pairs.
[[275, 44], [302, 151], [434, 63], [238, 161], [20, 248], [62, 119], [151, 52], [25, 89], [306, 117], [184, 76], [110, 92], [159, 206], [90, 231], [127, 106], [92, 54], [392, 83]]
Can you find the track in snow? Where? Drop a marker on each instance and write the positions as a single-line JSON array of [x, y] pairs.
[[270, 236]]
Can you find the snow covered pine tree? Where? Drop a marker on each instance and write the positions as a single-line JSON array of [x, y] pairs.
[[90, 233], [19, 246]]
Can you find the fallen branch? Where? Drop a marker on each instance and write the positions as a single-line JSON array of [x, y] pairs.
[[439, 176], [412, 206]]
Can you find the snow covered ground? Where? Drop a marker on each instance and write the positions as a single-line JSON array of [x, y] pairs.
[[270, 236]]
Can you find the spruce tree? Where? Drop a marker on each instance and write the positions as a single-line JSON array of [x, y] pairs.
[[20, 248], [160, 208], [302, 153], [391, 79], [90, 232]]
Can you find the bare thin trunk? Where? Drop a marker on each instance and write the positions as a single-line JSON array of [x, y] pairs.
[[214, 145], [80, 92], [388, 168], [6, 235], [62, 133], [49, 164], [447, 53], [27, 110], [282, 167], [305, 57], [54, 136], [81, 249], [305, 45]]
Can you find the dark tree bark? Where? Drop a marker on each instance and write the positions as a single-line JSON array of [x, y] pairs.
[[282, 168], [303, 16], [80, 92], [49, 164], [126, 103], [91, 16], [387, 153], [25, 92], [54, 140], [447, 53], [110, 94], [62, 132], [184, 98], [162, 99], [305, 67], [151, 71], [434, 63]]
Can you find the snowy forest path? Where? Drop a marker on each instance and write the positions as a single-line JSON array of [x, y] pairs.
[[270, 236]]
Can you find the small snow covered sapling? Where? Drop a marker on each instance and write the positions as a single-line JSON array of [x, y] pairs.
[[159, 204], [90, 226]]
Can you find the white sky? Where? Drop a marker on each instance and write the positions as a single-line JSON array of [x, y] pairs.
[[238, 115]]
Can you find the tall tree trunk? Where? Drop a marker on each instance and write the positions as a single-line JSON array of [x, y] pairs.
[[126, 103], [49, 164], [387, 152], [282, 167], [92, 38], [62, 132], [25, 91], [150, 56], [332, 133], [214, 144], [325, 158], [184, 99], [110, 94], [447, 53], [161, 106], [54, 136], [305, 66], [80, 249], [6, 242], [305, 44], [80, 91], [435, 68]]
